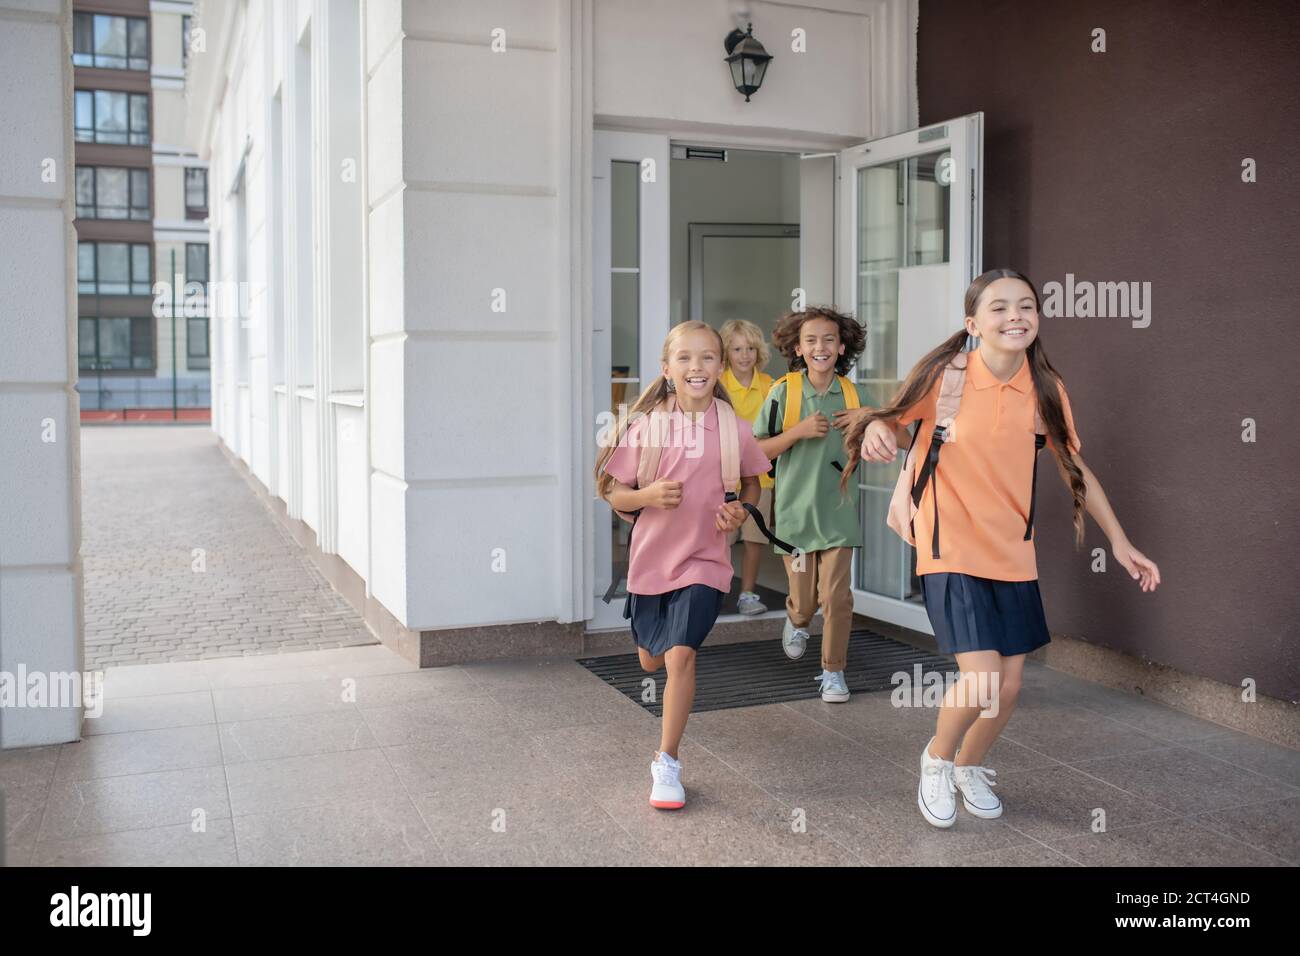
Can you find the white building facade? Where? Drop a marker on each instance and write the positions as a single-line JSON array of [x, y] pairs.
[[415, 199]]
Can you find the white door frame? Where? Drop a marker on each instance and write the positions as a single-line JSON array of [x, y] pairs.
[[963, 137], [653, 295]]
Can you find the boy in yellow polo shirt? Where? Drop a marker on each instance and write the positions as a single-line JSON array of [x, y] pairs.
[[745, 354]]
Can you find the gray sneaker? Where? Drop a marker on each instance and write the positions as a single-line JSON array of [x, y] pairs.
[[835, 690], [750, 603], [794, 640]]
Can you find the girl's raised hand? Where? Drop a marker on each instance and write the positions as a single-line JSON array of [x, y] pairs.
[[664, 494], [731, 515], [845, 417], [1141, 568], [879, 443]]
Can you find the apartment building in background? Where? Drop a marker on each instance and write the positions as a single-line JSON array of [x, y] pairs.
[[141, 211]]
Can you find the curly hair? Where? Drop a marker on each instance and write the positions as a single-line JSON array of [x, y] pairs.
[[853, 336]]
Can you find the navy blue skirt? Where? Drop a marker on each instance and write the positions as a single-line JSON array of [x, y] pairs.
[[977, 614], [677, 618]]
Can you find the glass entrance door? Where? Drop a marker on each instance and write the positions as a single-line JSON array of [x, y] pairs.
[[909, 245], [630, 314]]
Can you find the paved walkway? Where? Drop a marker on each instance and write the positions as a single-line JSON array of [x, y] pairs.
[[182, 561], [353, 757]]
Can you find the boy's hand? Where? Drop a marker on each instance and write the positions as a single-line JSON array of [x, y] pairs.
[[847, 417], [731, 515], [664, 494], [1141, 568], [814, 426], [879, 443]]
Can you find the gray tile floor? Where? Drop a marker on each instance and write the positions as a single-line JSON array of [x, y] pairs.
[[351, 756]]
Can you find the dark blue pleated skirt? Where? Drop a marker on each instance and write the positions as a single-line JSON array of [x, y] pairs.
[[682, 617], [977, 614]]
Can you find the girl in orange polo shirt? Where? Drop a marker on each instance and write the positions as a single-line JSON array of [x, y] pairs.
[[973, 525]]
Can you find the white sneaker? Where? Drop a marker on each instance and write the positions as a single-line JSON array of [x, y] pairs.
[[794, 640], [749, 603], [935, 793], [834, 688], [667, 792], [976, 796]]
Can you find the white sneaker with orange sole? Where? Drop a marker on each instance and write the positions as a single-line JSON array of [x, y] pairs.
[[667, 792]]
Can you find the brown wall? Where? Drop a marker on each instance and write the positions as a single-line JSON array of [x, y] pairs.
[[1126, 166]]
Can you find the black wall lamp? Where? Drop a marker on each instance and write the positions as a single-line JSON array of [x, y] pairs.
[[747, 59]]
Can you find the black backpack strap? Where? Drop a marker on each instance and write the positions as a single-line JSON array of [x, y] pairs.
[[930, 470], [613, 584], [1039, 442], [762, 525]]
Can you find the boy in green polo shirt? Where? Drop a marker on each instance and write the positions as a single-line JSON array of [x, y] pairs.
[[806, 441]]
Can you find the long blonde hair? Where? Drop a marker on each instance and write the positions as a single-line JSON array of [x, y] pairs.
[[654, 395]]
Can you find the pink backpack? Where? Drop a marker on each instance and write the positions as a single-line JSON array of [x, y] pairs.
[[906, 500]]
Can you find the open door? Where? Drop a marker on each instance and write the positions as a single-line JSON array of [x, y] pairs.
[[908, 243], [630, 314]]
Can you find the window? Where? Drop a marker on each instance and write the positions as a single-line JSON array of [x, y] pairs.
[[114, 268], [196, 190], [185, 39], [196, 343], [115, 343], [196, 262], [112, 192], [111, 43], [107, 116]]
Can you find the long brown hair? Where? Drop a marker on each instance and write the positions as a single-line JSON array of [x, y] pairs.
[[1047, 385], [654, 395]]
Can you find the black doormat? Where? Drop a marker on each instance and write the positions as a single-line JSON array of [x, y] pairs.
[[758, 672]]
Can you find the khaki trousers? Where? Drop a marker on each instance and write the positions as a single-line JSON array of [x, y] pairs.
[[825, 579]]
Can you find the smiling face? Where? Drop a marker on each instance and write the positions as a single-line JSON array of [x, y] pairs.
[[694, 364], [742, 355], [819, 345], [1006, 316]]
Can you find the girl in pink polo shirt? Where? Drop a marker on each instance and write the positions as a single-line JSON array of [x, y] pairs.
[[679, 565]]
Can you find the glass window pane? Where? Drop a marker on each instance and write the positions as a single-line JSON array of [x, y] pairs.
[[625, 195], [110, 42], [196, 188], [86, 267], [139, 119], [85, 191], [141, 343], [141, 279], [139, 194], [927, 209], [138, 33], [84, 121], [114, 269], [83, 39], [110, 193], [196, 338], [625, 328], [86, 339], [115, 343], [196, 262], [110, 117]]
